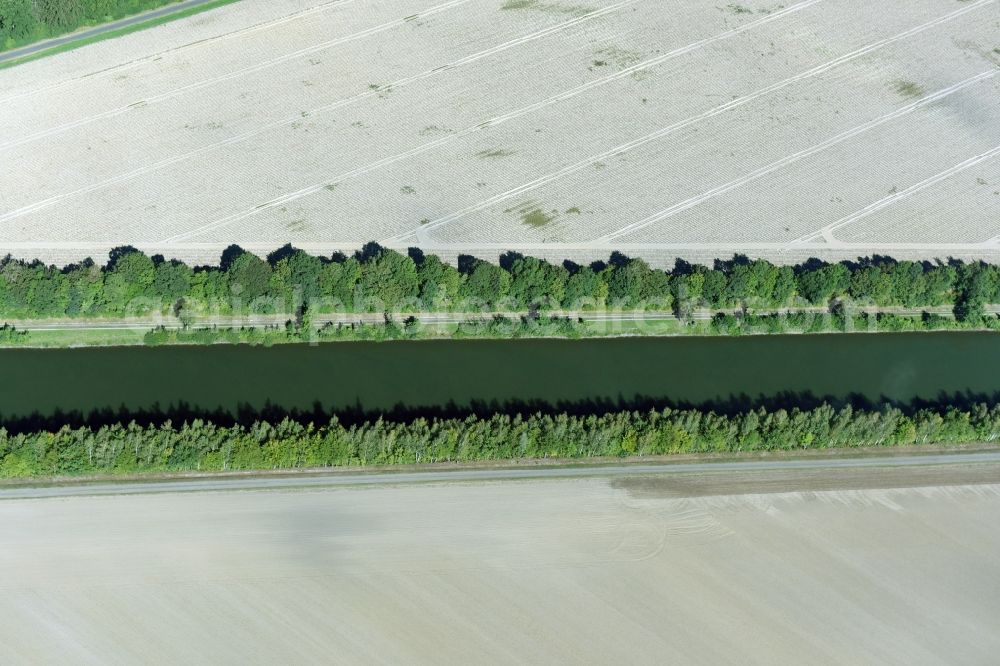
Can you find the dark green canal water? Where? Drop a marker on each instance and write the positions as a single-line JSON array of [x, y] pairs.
[[459, 375]]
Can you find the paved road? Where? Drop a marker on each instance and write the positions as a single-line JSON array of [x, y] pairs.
[[306, 480], [424, 318], [279, 320], [99, 30]]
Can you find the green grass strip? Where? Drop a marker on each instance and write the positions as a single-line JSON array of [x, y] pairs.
[[112, 34]]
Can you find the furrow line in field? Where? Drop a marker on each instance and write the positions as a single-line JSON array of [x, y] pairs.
[[326, 108], [493, 122], [264, 25], [793, 158], [198, 85], [670, 129], [827, 231]]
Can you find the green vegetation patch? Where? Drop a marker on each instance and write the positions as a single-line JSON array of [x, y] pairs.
[[491, 153], [202, 445], [433, 130], [532, 214], [377, 279], [618, 57], [537, 218], [908, 88], [549, 7]]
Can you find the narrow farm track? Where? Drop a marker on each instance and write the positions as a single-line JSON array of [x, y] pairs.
[[886, 463], [481, 126], [705, 130], [144, 324], [666, 131], [338, 104], [260, 66], [791, 159], [827, 232], [117, 69], [369, 92], [485, 125], [477, 127]]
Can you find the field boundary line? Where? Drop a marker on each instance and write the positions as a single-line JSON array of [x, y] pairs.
[[422, 231], [205, 83], [794, 157], [340, 103], [330, 4], [827, 232], [492, 122], [210, 251]]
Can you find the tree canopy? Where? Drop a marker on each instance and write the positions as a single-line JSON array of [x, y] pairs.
[[378, 279]]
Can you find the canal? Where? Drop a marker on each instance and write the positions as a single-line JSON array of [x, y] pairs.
[[456, 376]]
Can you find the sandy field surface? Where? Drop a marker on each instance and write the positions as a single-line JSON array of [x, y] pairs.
[[635, 569], [565, 128]]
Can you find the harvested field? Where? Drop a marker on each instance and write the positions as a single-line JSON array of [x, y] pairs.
[[635, 569], [833, 128]]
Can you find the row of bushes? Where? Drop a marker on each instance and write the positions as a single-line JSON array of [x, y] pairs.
[[840, 321], [288, 444], [292, 331], [409, 329], [377, 279], [23, 21]]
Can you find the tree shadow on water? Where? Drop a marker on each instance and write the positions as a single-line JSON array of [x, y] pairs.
[[357, 413]]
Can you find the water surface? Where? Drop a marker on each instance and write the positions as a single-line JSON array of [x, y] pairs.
[[459, 375]]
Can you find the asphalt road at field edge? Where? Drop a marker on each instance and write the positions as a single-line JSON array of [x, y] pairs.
[[429, 318], [37, 47], [960, 461]]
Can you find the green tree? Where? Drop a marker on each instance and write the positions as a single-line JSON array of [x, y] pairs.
[[485, 284], [714, 288], [765, 280], [85, 292], [585, 289], [338, 281], [48, 295], [172, 280], [978, 285], [536, 282], [784, 286], [61, 15], [303, 272], [17, 20], [687, 289], [129, 278], [871, 285], [439, 283], [940, 282], [626, 279], [249, 277], [909, 287], [819, 285], [741, 285], [388, 280]]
